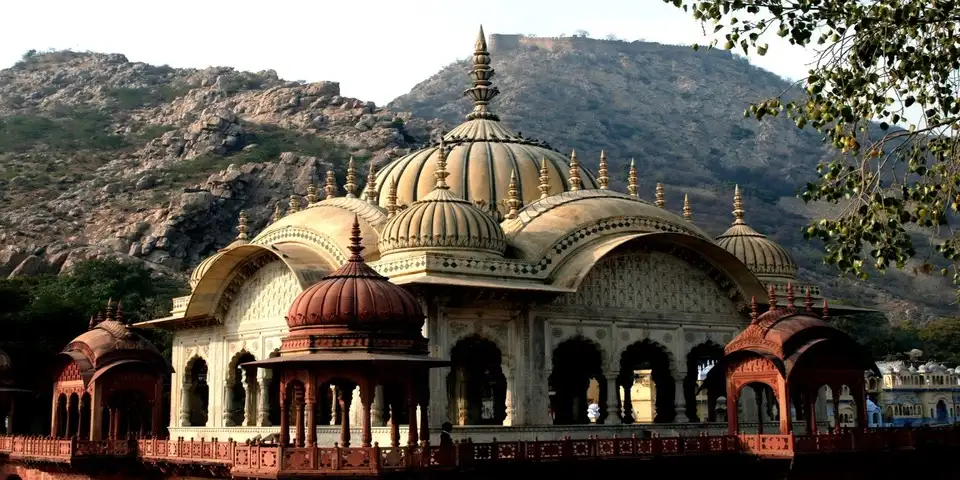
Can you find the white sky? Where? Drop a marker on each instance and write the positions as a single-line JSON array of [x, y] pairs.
[[376, 49]]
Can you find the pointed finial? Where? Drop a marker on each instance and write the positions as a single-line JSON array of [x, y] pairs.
[[789, 294], [312, 194], [574, 180], [351, 185], [772, 296], [91, 324], [330, 189], [242, 225], [99, 318], [482, 90], [632, 188], [807, 300], [294, 204], [687, 211], [544, 179], [372, 185], [118, 316], [108, 312], [737, 206], [602, 177], [441, 172], [355, 246], [753, 310], [660, 200], [392, 198], [513, 203], [826, 310], [277, 214]]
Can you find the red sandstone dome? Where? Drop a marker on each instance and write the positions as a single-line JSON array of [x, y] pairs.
[[355, 307]]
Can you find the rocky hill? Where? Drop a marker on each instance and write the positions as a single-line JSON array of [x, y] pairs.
[[680, 114], [102, 156]]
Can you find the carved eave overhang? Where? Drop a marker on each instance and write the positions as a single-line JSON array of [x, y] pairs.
[[175, 323]]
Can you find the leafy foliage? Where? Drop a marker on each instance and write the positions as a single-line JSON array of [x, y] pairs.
[[891, 61], [131, 98], [67, 129]]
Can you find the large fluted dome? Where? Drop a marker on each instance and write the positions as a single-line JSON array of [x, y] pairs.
[[483, 153], [765, 258]]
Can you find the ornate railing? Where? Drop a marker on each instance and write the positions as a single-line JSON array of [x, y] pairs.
[[263, 460]]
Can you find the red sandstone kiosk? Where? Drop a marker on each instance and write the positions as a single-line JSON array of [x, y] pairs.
[[8, 393], [793, 353], [108, 383], [353, 328]]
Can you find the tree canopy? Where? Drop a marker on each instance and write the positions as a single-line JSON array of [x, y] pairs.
[[884, 92]]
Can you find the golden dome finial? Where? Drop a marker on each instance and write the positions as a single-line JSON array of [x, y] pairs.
[[442, 172], [737, 206], [544, 179], [660, 198], [330, 189], [294, 204], [392, 198], [513, 203], [602, 177], [312, 194], [482, 90], [277, 214], [632, 188], [372, 185], [351, 185], [687, 211], [242, 225], [574, 180], [108, 313]]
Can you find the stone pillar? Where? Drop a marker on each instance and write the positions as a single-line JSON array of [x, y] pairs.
[[250, 399], [367, 393], [284, 419], [376, 412], [346, 398], [508, 401], [413, 438], [613, 394], [263, 407], [835, 391], [186, 395], [227, 403], [300, 415], [394, 426], [680, 403], [811, 412], [758, 393], [333, 404], [628, 402], [425, 411], [70, 430], [310, 404]]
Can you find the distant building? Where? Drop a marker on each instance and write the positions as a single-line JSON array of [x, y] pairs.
[[914, 394]]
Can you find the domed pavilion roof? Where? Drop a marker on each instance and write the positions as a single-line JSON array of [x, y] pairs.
[[764, 257], [355, 308], [483, 153], [442, 221], [205, 264], [109, 340]]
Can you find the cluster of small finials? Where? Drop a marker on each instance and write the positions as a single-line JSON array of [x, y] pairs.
[[789, 308], [109, 313], [512, 202]]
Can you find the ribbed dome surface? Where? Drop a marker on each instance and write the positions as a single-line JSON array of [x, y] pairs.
[[356, 297], [483, 154], [202, 268], [764, 257], [110, 338], [442, 221]]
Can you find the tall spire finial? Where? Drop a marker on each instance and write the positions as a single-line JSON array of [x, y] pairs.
[[574, 180], [92, 323], [294, 204], [544, 179], [772, 297], [277, 214], [687, 211], [355, 246], [632, 188], [602, 177], [242, 225], [372, 185], [442, 172], [392, 198], [351, 185], [118, 316], [513, 203], [482, 90], [789, 294], [312, 194], [826, 310], [660, 199], [737, 206], [330, 189], [108, 312], [807, 300], [753, 310]]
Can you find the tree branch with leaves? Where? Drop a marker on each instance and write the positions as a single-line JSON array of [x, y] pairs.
[[883, 91]]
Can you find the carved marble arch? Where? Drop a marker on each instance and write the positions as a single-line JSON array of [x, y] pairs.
[[606, 360], [731, 281], [652, 346], [495, 333], [238, 358]]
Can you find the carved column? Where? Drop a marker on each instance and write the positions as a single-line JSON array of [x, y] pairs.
[[394, 426], [70, 430], [613, 394], [346, 398], [424, 401], [758, 393], [263, 407], [299, 414], [228, 403], [412, 436], [733, 420], [367, 393], [628, 401], [186, 395], [250, 399], [310, 404], [835, 391], [284, 416], [376, 413], [334, 403], [811, 395], [508, 401], [679, 402]]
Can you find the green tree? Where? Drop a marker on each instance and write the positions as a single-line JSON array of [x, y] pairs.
[[941, 340], [879, 62], [878, 336]]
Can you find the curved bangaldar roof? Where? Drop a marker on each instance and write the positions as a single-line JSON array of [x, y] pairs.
[[483, 153], [764, 257]]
